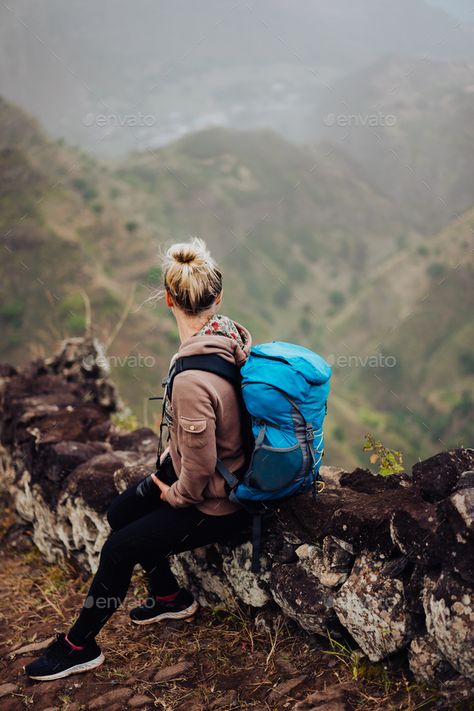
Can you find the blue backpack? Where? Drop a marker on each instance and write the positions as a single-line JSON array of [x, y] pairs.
[[283, 389]]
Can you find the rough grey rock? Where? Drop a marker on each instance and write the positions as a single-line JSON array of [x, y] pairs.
[[303, 598], [438, 475], [457, 529], [371, 606], [449, 608], [427, 663], [330, 564], [415, 533], [221, 574]]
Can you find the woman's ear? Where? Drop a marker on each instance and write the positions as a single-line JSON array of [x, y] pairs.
[[169, 299], [219, 298]]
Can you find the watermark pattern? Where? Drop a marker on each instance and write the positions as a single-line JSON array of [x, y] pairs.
[[112, 602], [376, 360], [134, 120], [113, 361], [375, 120]]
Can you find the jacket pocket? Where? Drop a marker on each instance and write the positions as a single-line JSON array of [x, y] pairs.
[[194, 431]]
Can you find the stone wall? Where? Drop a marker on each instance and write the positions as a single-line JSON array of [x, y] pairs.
[[388, 560]]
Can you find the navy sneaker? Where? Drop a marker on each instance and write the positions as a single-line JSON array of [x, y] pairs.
[[183, 606], [60, 659]]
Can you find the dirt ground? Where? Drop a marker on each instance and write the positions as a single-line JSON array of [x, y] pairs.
[[221, 660]]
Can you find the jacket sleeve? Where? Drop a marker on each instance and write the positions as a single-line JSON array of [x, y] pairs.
[[195, 418]]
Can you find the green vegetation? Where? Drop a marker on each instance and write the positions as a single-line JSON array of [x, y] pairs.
[[84, 187], [338, 434], [154, 275], [97, 207], [126, 420], [71, 314], [466, 361], [11, 313], [337, 298], [390, 461], [436, 270]]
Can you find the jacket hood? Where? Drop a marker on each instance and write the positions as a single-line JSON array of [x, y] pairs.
[[224, 346]]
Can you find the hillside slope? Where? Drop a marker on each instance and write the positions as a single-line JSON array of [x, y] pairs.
[[296, 229], [409, 123], [64, 231], [310, 250], [416, 312]]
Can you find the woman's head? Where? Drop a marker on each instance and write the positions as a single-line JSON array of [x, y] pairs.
[[191, 276]]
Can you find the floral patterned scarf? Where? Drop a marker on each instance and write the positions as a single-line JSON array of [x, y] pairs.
[[219, 325]]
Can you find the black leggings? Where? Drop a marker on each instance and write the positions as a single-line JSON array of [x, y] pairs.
[[145, 531]]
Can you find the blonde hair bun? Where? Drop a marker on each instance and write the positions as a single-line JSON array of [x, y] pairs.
[[184, 258], [191, 275]]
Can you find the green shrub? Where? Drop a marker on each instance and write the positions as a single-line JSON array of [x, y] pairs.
[[71, 314], [87, 191], [390, 461], [282, 296], [154, 275], [466, 361], [465, 406], [305, 324], [97, 207], [337, 298], [436, 270], [11, 313], [125, 419]]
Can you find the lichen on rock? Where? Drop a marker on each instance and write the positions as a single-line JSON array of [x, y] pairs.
[[449, 609], [371, 606]]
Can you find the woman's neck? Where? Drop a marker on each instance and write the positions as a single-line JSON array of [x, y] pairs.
[[188, 326]]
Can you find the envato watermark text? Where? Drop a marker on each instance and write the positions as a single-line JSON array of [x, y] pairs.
[[113, 361], [378, 119], [119, 120], [376, 360]]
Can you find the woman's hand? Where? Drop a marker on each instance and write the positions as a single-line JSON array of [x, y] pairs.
[[163, 487]]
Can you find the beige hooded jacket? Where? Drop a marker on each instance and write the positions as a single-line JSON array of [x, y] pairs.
[[206, 426]]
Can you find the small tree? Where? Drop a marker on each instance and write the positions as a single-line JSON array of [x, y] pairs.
[[390, 461]]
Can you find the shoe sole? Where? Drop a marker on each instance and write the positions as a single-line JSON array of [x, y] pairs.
[[77, 669], [181, 615]]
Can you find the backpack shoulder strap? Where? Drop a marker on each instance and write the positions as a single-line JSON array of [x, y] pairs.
[[211, 363]]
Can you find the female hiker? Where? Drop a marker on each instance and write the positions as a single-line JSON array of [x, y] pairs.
[[184, 505]]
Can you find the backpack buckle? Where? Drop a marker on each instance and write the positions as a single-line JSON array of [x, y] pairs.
[[309, 433]]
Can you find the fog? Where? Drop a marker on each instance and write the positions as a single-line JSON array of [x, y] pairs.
[[114, 76]]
